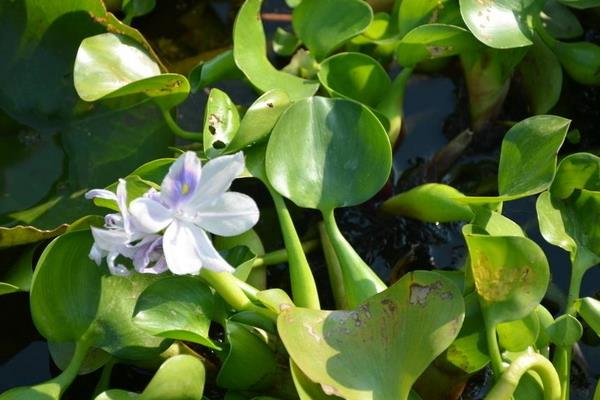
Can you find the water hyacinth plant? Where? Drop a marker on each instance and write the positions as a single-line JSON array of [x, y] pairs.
[[214, 259]]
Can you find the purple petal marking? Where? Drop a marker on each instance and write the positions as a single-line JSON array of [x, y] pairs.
[[181, 182]]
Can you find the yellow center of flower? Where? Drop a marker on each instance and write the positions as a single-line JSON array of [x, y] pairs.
[[185, 188]]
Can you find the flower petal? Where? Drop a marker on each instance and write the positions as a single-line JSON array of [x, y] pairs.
[[122, 203], [109, 239], [150, 216], [217, 175], [187, 249], [229, 214], [101, 193], [180, 184]]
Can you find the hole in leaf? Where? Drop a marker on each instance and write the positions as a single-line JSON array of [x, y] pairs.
[[217, 144]]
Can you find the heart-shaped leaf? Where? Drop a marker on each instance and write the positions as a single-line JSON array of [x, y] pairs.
[[528, 157], [221, 123], [496, 23], [341, 156], [74, 300], [433, 41], [178, 307], [356, 76], [565, 331], [250, 54], [323, 26], [518, 335], [380, 349], [511, 275]]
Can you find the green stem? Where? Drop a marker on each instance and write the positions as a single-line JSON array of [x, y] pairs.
[[281, 256], [67, 377], [360, 282], [494, 349], [304, 288], [176, 129], [509, 380], [597, 392], [226, 286], [543, 34], [393, 103], [563, 355], [334, 270], [104, 381]]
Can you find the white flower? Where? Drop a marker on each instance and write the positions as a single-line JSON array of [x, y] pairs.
[[194, 200]]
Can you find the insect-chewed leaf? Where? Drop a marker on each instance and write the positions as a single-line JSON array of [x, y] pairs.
[[378, 350]]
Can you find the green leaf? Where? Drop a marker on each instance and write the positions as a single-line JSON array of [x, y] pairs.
[[178, 307], [559, 21], [72, 299], [181, 377], [137, 8], [519, 334], [307, 389], [260, 119], [19, 235], [341, 156], [249, 361], [565, 331], [572, 224], [323, 26], [589, 309], [431, 202], [469, 350], [285, 43], [135, 186], [250, 54], [39, 42], [414, 13], [581, 60], [498, 24], [16, 275], [433, 41], [528, 155], [511, 275], [110, 65], [356, 76], [528, 158], [496, 224], [221, 123], [220, 67], [541, 77], [576, 171], [378, 350]]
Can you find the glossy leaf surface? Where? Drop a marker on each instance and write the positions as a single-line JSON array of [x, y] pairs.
[[250, 54], [324, 25], [259, 119], [433, 41], [496, 23], [221, 123], [72, 299], [177, 308], [565, 331], [431, 202], [356, 76], [378, 350], [511, 275], [341, 154]]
